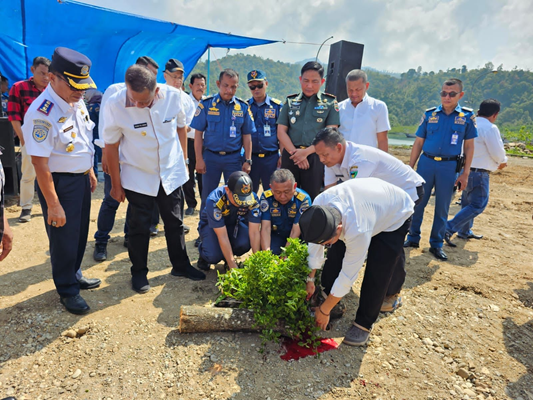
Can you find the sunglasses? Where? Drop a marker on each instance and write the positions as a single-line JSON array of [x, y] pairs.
[[69, 85], [451, 94], [258, 86]]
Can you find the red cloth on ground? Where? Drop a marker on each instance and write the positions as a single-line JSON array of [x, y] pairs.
[[295, 351]]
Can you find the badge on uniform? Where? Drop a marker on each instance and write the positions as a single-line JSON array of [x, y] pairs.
[[213, 111], [455, 138], [40, 130], [336, 104], [293, 120], [46, 107], [69, 128], [319, 120], [236, 114], [217, 215], [62, 120], [141, 125], [270, 113], [460, 120], [297, 113], [255, 212], [198, 111], [275, 212], [353, 171], [264, 205], [266, 130], [304, 206], [237, 107], [433, 120], [70, 147]]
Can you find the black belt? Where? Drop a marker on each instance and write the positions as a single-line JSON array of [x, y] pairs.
[[223, 153], [480, 170], [265, 153], [71, 173], [437, 158]]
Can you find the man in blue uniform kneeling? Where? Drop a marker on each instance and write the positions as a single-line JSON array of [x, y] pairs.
[[229, 222], [281, 207]]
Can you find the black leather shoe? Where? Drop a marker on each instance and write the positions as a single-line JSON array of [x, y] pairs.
[[89, 283], [140, 284], [438, 253], [189, 211], [408, 243], [203, 265], [75, 304], [189, 272], [186, 229], [197, 241], [100, 252], [448, 240]]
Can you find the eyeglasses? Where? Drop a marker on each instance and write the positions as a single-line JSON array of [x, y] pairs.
[[451, 94], [258, 86], [69, 85]]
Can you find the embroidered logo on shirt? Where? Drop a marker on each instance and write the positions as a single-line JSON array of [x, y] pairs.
[[353, 171], [142, 125], [40, 130], [217, 215], [270, 113], [264, 205]]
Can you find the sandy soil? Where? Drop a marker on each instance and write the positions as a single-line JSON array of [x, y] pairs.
[[465, 330]]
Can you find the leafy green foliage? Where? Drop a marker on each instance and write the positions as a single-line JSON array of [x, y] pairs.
[[274, 288]]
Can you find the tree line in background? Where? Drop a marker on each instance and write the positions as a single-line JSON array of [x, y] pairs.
[[408, 94]]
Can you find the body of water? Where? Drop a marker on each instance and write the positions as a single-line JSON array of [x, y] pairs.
[[401, 142]]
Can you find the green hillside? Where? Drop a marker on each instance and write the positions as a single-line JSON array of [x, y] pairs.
[[408, 94]]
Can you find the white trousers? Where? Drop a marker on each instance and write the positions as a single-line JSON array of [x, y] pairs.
[[27, 182]]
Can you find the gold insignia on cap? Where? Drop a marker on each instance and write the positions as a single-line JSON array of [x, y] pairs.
[[143, 133], [85, 70], [70, 147], [73, 135], [253, 74], [246, 189]]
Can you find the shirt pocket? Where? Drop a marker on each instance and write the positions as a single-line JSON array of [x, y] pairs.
[[213, 122], [239, 121]]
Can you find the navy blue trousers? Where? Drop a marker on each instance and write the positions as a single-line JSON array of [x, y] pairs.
[[216, 165], [210, 249], [442, 176], [67, 244], [262, 169]]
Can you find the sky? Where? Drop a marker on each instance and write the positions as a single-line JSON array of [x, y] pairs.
[[397, 34]]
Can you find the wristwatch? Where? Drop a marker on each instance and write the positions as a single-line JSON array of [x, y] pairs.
[[249, 162], [309, 279]]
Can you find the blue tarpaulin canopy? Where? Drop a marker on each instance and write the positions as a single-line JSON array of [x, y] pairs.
[[111, 39]]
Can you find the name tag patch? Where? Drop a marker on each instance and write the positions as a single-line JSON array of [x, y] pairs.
[[40, 130], [237, 114], [142, 125]]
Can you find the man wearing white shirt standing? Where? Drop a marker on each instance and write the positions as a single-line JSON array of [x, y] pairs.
[[364, 120], [197, 86], [489, 155], [370, 216], [142, 120], [344, 161]]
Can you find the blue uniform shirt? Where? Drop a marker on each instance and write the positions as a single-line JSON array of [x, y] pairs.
[[216, 118], [444, 134], [284, 216], [219, 212], [265, 116]]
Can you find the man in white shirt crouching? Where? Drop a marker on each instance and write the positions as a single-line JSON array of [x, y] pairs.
[[366, 215]]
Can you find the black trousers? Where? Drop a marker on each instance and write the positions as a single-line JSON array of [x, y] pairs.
[[171, 210], [188, 188], [310, 179], [384, 273], [67, 244]]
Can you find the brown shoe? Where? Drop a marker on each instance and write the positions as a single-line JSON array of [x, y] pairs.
[[391, 303]]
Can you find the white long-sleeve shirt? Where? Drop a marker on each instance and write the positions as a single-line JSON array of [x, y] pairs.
[[368, 207], [488, 146]]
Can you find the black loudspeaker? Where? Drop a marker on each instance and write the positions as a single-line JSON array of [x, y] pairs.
[[343, 57], [8, 157]]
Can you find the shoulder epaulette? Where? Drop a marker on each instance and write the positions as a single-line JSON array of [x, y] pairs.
[[300, 196], [249, 100], [330, 95], [268, 193], [467, 109], [241, 100], [293, 95], [220, 203], [431, 109], [207, 98], [46, 107], [275, 101]]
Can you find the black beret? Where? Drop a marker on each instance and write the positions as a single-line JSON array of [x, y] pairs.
[[318, 224]]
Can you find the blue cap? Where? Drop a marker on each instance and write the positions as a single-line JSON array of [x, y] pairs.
[[256, 75], [74, 67]]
